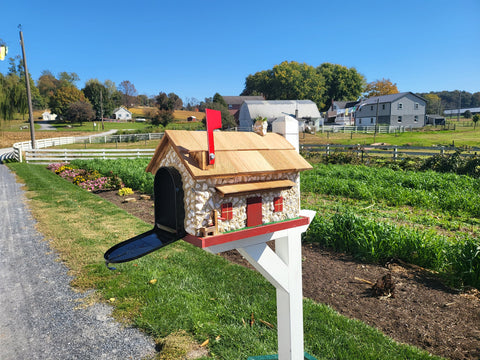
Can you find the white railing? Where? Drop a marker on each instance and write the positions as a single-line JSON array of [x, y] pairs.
[[364, 129], [24, 146], [48, 156]]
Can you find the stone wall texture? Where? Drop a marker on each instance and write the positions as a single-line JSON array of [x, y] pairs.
[[201, 198]]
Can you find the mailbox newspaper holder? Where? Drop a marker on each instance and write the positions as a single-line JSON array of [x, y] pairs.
[[238, 193]]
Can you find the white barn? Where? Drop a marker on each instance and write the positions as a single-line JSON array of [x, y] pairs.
[[275, 109], [121, 113]]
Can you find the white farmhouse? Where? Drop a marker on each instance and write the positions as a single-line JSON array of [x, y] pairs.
[[121, 113]]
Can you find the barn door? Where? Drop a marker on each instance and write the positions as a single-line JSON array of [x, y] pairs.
[[254, 211]]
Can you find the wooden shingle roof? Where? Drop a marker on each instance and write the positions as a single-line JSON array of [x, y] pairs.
[[236, 153]]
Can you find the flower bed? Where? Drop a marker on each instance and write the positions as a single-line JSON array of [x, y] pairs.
[[88, 180]]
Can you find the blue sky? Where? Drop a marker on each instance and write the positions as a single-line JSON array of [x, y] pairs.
[[198, 48]]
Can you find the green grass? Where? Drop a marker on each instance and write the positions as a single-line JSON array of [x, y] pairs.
[[200, 293], [88, 126]]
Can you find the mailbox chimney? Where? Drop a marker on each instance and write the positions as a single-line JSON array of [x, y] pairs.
[[287, 126]]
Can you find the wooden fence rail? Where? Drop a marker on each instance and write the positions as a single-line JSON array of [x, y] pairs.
[[395, 152]]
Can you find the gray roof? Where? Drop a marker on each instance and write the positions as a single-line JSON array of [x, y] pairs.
[[120, 108], [345, 104], [275, 108], [238, 100], [455, 111], [388, 98]]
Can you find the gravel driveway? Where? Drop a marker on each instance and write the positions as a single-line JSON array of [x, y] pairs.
[[39, 318]]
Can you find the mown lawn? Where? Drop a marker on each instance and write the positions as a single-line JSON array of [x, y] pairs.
[[200, 293]]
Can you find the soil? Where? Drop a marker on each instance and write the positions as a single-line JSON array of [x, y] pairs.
[[408, 303]]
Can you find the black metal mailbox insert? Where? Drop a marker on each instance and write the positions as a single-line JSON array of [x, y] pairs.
[[169, 220]]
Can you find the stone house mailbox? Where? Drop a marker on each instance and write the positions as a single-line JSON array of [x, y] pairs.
[[232, 190]]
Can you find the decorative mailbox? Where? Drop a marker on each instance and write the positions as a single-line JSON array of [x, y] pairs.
[[237, 193]]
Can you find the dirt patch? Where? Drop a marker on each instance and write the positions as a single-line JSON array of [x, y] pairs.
[[422, 311]]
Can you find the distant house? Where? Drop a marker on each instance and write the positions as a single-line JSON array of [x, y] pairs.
[[235, 102], [121, 113], [302, 110], [402, 109], [47, 116], [341, 113]]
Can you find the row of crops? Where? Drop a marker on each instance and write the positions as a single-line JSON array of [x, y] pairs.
[[375, 237]]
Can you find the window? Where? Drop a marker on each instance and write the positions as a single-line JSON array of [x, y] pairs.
[[400, 106], [415, 118], [278, 204], [371, 107], [227, 211], [399, 119], [371, 120], [416, 106], [230, 107], [383, 106]]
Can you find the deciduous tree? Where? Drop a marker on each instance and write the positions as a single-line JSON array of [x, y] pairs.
[[100, 97], [341, 83], [381, 87], [434, 104], [62, 99], [475, 119], [129, 92], [79, 111], [288, 81]]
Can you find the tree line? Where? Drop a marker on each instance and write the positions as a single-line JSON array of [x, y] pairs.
[[286, 81]]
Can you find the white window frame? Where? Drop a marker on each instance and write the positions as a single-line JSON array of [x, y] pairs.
[[399, 118], [415, 118], [400, 106], [416, 106]]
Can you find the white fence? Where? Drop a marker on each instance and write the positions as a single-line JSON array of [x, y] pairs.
[[48, 156], [379, 129], [24, 149]]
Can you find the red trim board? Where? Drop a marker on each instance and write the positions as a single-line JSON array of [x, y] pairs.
[[204, 242]]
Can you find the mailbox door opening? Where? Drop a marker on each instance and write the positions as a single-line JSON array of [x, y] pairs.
[[169, 220], [169, 208]]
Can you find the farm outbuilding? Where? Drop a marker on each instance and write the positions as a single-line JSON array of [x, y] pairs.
[[274, 109]]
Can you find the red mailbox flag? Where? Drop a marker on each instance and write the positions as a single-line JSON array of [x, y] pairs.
[[214, 121]]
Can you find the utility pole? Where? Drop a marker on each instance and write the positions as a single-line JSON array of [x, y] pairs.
[[101, 108], [29, 94], [459, 104], [376, 121]]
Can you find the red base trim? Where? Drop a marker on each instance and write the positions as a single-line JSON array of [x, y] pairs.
[[204, 242]]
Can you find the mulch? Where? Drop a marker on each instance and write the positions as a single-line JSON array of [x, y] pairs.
[[406, 302]]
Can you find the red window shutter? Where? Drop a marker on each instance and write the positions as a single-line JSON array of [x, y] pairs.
[[254, 211], [278, 204], [227, 211]]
